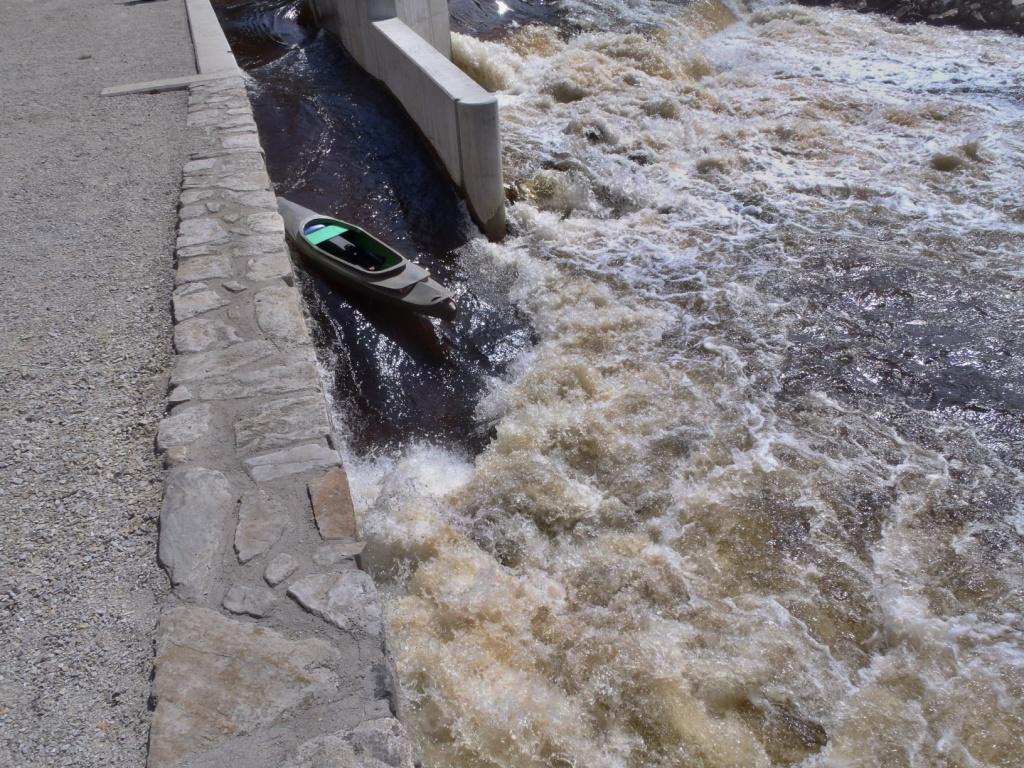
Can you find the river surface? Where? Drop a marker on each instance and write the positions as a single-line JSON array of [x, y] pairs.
[[747, 480]]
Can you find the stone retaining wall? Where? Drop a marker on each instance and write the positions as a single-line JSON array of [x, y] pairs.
[[271, 650]]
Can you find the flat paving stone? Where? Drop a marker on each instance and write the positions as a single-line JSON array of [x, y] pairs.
[[269, 222], [219, 678], [338, 553], [261, 199], [279, 315], [217, 362], [200, 231], [269, 267], [383, 739], [260, 524], [192, 251], [183, 427], [279, 568], [347, 599], [201, 334], [331, 498], [202, 268], [240, 182], [257, 602], [195, 299], [378, 743], [194, 166], [196, 504], [258, 244], [281, 422], [242, 141], [290, 461], [273, 380], [179, 394]]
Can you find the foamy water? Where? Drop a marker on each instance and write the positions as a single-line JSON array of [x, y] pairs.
[[756, 495]]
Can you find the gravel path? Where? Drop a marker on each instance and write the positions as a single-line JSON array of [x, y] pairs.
[[88, 191]]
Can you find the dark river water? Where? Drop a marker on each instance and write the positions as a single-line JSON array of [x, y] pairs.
[[339, 144], [722, 463]]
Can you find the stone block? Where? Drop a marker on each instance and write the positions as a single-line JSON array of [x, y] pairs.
[[279, 315], [332, 505], [269, 266], [261, 522], [377, 743], [195, 299], [241, 142], [217, 678], [202, 268], [258, 245], [348, 600], [201, 334], [218, 362], [279, 568], [179, 394], [183, 427], [200, 232], [196, 504], [383, 739], [268, 222], [281, 422], [338, 553], [273, 380], [290, 461], [249, 601]]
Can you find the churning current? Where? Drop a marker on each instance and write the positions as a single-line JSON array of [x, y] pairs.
[[755, 495]]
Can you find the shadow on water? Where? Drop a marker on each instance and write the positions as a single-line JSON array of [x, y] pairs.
[[338, 143]]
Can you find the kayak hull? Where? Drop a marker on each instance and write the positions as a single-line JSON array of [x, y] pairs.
[[419, 292]]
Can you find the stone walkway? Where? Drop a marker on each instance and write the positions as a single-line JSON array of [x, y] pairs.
[[272, 650]]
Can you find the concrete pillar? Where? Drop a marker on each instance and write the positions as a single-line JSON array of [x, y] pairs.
[[480, 155]]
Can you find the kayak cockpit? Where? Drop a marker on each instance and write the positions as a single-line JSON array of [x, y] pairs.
[[352, 246]]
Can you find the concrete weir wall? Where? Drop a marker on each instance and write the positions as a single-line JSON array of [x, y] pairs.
[[271, 647], [406, 44]]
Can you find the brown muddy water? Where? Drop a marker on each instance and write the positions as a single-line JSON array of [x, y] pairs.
[[747, 480]]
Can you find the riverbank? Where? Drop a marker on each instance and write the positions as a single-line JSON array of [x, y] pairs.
[[88, 192], [969, 14]]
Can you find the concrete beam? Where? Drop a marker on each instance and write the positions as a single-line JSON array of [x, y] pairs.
[[213, 54]]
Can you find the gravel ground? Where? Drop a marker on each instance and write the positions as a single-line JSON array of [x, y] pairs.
[[88, 190]]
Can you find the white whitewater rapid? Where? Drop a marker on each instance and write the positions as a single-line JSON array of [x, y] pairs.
[[755, 496]]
